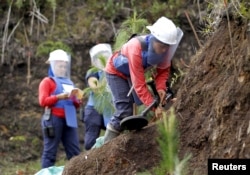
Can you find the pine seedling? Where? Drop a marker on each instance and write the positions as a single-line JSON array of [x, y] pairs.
[[133, 25], [168, 142]]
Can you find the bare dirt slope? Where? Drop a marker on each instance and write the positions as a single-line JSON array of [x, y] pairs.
[[214, 99], [213, 110]]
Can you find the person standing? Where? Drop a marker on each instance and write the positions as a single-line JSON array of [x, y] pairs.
[[125, 70], [59, 121], [95, 121]]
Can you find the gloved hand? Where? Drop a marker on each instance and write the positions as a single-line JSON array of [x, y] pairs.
[[158, 113], [162, 95]]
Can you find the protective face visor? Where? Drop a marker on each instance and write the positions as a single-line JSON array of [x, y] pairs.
[[59, 68], [99, 54], [163, 60]]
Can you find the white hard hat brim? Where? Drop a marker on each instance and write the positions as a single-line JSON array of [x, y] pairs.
[[164, 30], [58, 55], [100, 48], [149, 28]]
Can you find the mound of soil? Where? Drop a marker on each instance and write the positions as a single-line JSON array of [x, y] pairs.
[[129, 153], [212, 109]]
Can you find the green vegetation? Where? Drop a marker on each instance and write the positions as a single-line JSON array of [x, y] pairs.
[[102, 95], [176, 76], [169, 145], [27, 168], [171, 9], [133, 25], [108, 8], [46, 47], [217, 9]]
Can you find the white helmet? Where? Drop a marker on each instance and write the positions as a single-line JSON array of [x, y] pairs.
[[58, 55], [102, 49], [164, 30]]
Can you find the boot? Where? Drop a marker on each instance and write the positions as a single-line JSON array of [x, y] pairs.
[[110, 133]]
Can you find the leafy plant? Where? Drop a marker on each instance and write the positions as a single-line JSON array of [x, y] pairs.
[[215, 10], [108, 8], [133, 25], [103, 98], [102, 94], [169, 145], [176, 76], [158, 9], [53, 6], [170, 9], [46, 47], [242, 8]]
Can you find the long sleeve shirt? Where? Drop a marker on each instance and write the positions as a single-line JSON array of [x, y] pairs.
[[132, 50], [46, 87]]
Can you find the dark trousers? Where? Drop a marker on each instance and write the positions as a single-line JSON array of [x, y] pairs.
[[94, 122], [67, 135], [122, 103]]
